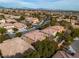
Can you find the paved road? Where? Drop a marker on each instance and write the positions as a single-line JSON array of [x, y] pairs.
[[34, 27]]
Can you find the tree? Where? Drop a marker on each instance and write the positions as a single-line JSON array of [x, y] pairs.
[[31, 54], [65, 23], [74, 17], [59, 34], [2, 38], [75, 33], [66, 17], [3, 30], [45, 48], [18, 34], [15, 29], [2, 17], [69, 40], [53, 21], [67, 37], [29, 25], [22, 18]]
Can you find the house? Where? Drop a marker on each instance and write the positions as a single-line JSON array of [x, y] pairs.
[[19, 25], [34, 36], [75, 23], [2, 21], [14, 17], [64, 54], [52, 30], [11, 16], [61, 54], [11, 21], [14, 47], [8, 26], [7, 15], [32, 20], [10, 31], [60, 19]]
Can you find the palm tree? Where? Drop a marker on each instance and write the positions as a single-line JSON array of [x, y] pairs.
[[3, 31]]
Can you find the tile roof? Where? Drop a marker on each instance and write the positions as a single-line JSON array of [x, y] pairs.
[[53, 30], [13, 46], [19, 25], [35, 35], [63, 54]]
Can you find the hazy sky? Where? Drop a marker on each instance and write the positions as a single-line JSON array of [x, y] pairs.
[[50, 4]]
